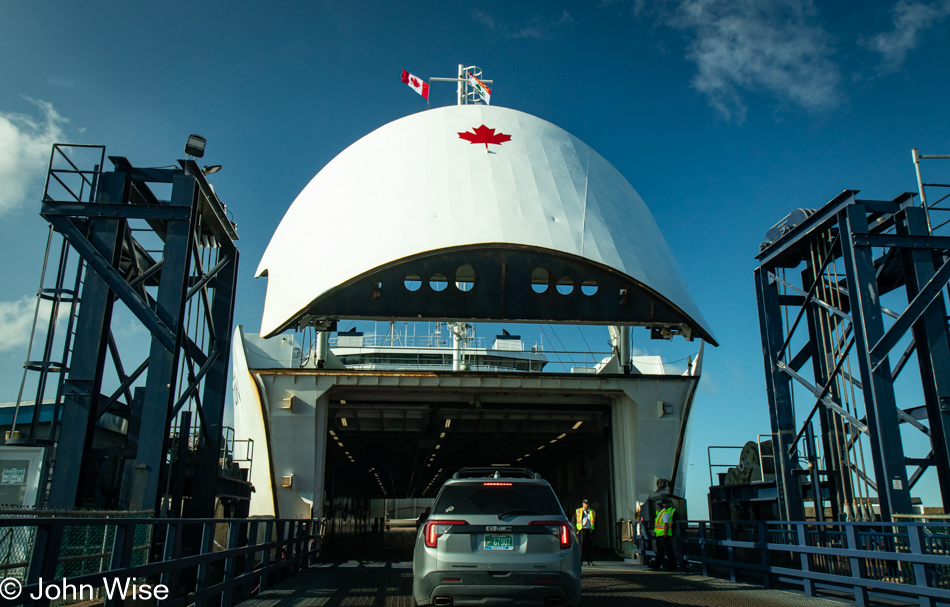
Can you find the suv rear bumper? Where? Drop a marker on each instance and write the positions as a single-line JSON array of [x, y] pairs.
[[484, 588]]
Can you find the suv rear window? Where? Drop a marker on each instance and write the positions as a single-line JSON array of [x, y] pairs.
[[476, 498]]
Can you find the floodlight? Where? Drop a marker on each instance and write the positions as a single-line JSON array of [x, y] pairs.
[[195, 146]]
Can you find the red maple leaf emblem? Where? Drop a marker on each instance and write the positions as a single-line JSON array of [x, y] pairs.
[[415, 82], [485, 135]]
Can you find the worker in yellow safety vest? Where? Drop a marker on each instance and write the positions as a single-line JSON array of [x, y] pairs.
[[584, 519], [663, 527]]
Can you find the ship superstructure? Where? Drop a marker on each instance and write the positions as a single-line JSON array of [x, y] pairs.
[[531, 227]]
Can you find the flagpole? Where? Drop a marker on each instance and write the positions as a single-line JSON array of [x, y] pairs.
[[462, 79], [461, 82]]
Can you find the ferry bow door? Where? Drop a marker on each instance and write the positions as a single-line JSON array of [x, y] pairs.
[[624, 467]]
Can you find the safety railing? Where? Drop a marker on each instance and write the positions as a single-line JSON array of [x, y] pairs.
[[908, 560], [171, 562]]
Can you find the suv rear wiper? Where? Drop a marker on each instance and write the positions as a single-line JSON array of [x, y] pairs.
[[520, 511]]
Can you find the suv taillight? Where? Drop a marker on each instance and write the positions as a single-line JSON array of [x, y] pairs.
[[435, 529], [561, 529]]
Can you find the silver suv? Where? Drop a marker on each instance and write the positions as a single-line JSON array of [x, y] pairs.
[[495, 536]]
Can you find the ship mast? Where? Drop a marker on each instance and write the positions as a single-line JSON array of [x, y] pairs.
[[466, 94]]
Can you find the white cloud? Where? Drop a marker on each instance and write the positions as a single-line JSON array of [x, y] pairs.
[[773, 46], [16, 318], [910, 18], [25, 143], [537, 27]]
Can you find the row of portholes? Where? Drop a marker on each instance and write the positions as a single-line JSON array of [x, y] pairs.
[[464, 280], [541, 280]]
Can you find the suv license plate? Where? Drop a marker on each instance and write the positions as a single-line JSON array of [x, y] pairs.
[[499, 542]]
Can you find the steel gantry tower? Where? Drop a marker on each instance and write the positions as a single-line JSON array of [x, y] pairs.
[[850, 298], [170, 264]]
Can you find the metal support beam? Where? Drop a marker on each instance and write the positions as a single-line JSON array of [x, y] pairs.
[[933, 347], [814, 473], [163, 363], [83, 386], [114, 210], [838, 484], [781, 410], [887, 453], [206, 465], [109, 275]]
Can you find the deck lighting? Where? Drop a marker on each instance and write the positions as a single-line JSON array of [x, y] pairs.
[[195, 146], [541, 447], [339, 443], [553, 441], [561, 436], [442, 435], [577, 425], [448, 422], [437, 447], [343, 421]]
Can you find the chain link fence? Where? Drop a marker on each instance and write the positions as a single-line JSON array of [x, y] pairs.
[[85, 549]]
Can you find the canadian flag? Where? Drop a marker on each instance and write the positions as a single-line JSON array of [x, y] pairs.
[[417, 84]]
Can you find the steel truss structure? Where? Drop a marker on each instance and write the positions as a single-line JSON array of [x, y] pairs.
[[850, 299], [120, 254]]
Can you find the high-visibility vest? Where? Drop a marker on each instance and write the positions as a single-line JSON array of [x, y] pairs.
[[579, 518], [663, 525]]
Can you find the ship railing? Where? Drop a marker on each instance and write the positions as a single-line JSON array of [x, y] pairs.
[[491, 360], [189, 561], [401, 340], [903, 560]]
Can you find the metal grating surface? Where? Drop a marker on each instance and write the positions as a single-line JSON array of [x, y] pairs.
[[390, 584]]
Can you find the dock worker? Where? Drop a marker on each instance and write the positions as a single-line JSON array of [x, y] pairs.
[[584, 519], [663, 527]]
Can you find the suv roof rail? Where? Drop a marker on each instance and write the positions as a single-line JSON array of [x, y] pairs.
[[496, 472]]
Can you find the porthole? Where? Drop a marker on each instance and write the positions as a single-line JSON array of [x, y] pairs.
[[565, 286], [465, 278], [540, 280], [412, 282], [589, 287], [438, 282]]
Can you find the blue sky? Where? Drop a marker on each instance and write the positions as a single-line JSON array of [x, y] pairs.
[[724, 115]]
